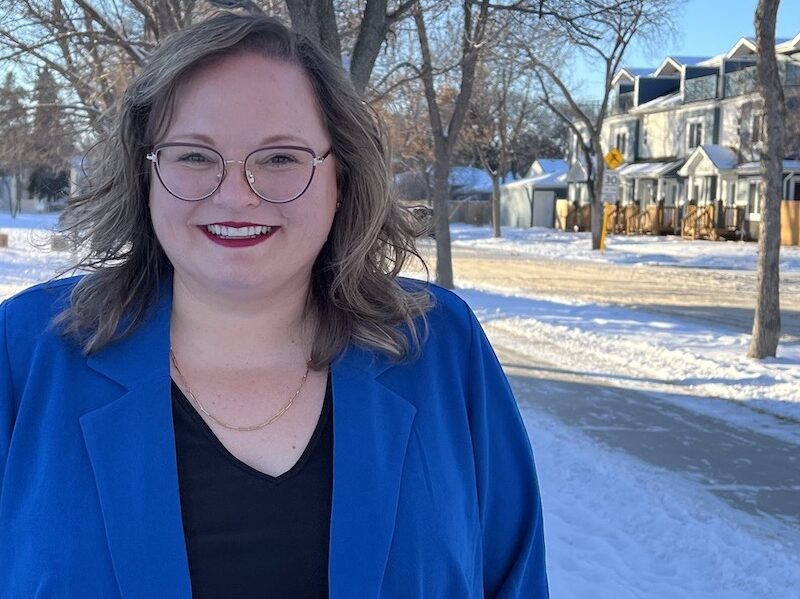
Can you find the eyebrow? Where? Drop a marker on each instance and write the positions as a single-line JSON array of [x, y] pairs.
[[266, 141]]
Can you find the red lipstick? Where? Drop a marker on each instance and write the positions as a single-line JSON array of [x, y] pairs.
[[262, 233]]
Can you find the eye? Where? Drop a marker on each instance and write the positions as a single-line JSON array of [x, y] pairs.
[[188, 157], [277, 159], [194, 158]]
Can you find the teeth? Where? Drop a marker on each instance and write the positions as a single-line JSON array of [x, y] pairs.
[[237, 232]]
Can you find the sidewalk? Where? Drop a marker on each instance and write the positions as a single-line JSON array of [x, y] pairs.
[[752, 472]]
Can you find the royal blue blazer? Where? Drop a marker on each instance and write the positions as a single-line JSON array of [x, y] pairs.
[[434, 489]]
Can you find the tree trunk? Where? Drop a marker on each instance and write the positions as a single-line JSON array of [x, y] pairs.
[[368, 44], [496, 204], [598, 167], [441, 194], [317, 20], [767, 320]]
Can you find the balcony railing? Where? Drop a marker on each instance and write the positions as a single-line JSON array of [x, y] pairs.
[[700, 88]]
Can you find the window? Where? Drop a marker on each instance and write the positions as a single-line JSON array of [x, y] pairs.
[[758, 124], [753, 198], [795, 195], [621, 142], [695, 135]]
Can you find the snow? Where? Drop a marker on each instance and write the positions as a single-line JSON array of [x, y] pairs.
[[470, 177], [673, 99], [722, 157], [616, 527], [753, 168], [690, 60], [545, 181], [637, 250], [28, 258], [544, 166], [648, 170]]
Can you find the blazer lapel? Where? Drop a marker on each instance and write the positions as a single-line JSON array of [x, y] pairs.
[[131, 445], [372, 425]]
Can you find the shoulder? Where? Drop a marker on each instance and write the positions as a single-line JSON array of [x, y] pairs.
[[452, 331], [30, 312], [448, 309]]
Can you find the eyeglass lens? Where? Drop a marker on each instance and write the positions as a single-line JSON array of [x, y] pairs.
[[278, 174]]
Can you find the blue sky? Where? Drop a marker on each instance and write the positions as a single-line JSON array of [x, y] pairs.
[[710, 27]]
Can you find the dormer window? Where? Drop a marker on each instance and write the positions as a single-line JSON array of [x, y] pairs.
[[621, 142], [756, 133], [695, 135]]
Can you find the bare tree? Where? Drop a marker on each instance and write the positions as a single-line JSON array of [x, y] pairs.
[[499, 115], [15, 136], [445, 131], [767, 320], [91, 48], [602, 32], [94, 47]]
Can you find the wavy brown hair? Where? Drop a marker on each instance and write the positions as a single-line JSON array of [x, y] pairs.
[[354, 289]]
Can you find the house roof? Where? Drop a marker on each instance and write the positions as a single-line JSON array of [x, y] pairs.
[[542, 166], [747, 46], [673, 99], [471, 178], [753, 168], [649, 170], [631, 73], [577, 172], [675, 63], [722, 159], [545, 181], [790, 45]]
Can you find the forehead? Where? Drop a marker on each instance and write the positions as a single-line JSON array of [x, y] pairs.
[[245, 98]]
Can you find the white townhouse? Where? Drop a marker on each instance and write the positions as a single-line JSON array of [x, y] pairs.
[[690, 132]]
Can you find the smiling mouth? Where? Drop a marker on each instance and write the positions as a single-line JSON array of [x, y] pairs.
[[248, 232]]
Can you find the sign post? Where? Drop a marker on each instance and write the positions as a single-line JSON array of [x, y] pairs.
[[609, 194]]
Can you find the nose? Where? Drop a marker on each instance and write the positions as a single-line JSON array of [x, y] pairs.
[[234, 191]]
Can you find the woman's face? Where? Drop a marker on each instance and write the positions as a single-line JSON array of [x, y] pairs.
[[236, 105]]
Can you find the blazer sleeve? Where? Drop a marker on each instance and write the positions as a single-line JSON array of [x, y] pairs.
[[7, 407], [508, 493]]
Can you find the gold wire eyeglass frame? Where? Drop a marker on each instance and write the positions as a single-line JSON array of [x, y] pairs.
[[316, 161]]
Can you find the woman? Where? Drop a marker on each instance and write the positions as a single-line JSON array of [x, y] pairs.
[[242, 399]]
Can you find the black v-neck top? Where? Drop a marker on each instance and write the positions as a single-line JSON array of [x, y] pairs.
[[249, 534]]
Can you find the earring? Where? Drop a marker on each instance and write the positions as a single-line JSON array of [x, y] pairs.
[[338, 203]]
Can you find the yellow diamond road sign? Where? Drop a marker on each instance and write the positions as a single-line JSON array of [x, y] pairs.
[[614, 158]]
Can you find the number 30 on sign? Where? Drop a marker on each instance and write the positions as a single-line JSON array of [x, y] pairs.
[[610, 193]]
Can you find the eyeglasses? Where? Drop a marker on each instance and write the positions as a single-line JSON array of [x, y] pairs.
[[277, 174]]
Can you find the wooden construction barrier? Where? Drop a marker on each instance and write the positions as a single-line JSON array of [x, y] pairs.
[[790, 222]]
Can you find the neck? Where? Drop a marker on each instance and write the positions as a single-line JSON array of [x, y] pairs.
[[246, 332]]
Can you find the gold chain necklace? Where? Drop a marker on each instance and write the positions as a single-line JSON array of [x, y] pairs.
[[266, 423]]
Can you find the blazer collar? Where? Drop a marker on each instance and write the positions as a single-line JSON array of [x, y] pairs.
[[131, 445], [372, 425]]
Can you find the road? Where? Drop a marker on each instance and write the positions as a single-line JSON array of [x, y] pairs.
[[750, 471], [724, 297], [753, 472]]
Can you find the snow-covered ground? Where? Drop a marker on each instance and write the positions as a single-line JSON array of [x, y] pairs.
[[615, 526], [621, 249], [664, 353]]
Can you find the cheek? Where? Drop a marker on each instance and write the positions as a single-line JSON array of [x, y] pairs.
[[166, 215]]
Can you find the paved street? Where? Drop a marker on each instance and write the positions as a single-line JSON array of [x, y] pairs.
[[753, 472]]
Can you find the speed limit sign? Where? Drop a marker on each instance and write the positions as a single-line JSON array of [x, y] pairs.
[[610, 193]]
